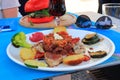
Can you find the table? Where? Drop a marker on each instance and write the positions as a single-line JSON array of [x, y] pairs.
[[12, 71], [116, 22]]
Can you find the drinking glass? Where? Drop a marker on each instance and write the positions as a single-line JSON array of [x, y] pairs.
[[57, 8], [111, 9]]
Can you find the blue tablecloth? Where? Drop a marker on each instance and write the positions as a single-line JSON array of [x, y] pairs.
[[12, 71]]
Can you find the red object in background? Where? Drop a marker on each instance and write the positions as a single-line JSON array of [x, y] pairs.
[[57, 7], [35, 37], [41, 20], [35, 5], [32, 6]]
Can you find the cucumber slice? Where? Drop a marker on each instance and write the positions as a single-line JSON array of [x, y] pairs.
[[92, 41], [34, 63], [91, 36], [98, 54]]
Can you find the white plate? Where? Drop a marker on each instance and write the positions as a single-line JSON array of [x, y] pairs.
[[106, 44]]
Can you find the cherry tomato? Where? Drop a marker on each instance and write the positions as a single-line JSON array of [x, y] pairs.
[[35, 37]]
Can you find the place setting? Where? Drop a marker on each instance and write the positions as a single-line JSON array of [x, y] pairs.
[[60, 48]]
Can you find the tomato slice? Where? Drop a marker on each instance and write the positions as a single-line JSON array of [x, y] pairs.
[[75, 40], [39, 55], [35, 37], [41, 20], [86, 58]]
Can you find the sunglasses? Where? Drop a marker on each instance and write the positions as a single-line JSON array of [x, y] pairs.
[[104, 22]]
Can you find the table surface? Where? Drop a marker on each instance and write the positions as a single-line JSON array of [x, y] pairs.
[[116, 22], [11, 70]]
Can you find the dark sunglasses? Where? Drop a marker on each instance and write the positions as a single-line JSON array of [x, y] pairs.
[[104, 22]]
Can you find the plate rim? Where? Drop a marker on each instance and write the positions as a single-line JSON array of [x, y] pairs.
[[65, 69]]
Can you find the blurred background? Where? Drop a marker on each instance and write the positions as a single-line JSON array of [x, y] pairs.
[[84, 5]]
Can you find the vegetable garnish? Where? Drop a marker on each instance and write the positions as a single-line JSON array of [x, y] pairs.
[[19, 40], [34, 63], [90, 39], [35, 37]]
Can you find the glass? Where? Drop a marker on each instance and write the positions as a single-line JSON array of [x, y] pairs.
[[111, 9], [57, 8], [104, 22]]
